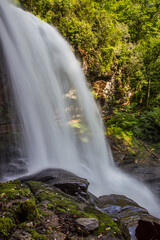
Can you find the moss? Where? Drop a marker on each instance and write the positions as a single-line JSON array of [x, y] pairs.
[[13, 190], [27, 211], [23, 226], [60, 210], [61, 204], [106, 224], [6, 224], [12, 193], [36, 236]]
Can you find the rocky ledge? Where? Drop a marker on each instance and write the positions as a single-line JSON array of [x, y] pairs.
[[55, 204]]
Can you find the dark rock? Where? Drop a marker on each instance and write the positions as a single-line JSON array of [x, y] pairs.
[[16, 167], [148, 230], [130, 214], [61, 179], [87, 224], [114, 200], [14, 151]]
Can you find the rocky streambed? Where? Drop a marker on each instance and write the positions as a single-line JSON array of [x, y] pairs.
[[55, 204]]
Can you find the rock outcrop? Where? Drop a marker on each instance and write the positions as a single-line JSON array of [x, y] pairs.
[[141, 225], [38, 207]]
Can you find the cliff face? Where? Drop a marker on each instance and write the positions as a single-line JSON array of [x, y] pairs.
[[4, 117], [3, 101], [10, 134]]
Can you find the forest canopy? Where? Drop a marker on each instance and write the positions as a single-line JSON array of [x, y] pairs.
[[115, 39]]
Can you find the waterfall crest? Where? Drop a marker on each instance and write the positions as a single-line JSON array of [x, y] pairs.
[[60, 121]]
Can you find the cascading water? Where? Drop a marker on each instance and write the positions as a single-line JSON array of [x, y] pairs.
[[52, 98]]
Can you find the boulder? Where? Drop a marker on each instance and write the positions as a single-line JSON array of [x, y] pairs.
[[61, 179], [137, 219], [87, 224], [148, 230]]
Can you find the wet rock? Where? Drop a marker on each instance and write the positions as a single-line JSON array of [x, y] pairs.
[[15, 167], [21, 235], [147, 230], [14, 151], [87, 224], [130, 214], [61, 179]]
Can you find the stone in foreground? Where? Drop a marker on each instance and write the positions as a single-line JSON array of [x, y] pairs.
[[88, 224]]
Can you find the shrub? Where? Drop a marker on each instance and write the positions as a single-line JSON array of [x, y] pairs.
[[149, 126], [145, 127]]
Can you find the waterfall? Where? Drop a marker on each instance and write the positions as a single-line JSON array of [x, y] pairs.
[[60, 121]]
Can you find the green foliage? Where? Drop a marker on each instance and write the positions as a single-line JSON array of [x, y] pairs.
[[121, 35], [121, 126], [119, 39], [140, 16], [148, 127], [88, 27], [120, 134], [124, 125], [123, 120]]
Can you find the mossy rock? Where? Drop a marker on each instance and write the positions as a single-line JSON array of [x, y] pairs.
[[36, 236], [33, 201], [6, 224], [27, 211], [13, 190], [70, 209], [62, 179]]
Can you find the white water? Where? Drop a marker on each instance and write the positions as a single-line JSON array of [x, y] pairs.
[[51, 92]]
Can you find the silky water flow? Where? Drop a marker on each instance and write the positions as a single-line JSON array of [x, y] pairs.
[[60, 121]]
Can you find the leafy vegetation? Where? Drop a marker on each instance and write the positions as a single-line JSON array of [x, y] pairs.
[[92, 32], [118, 42]]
